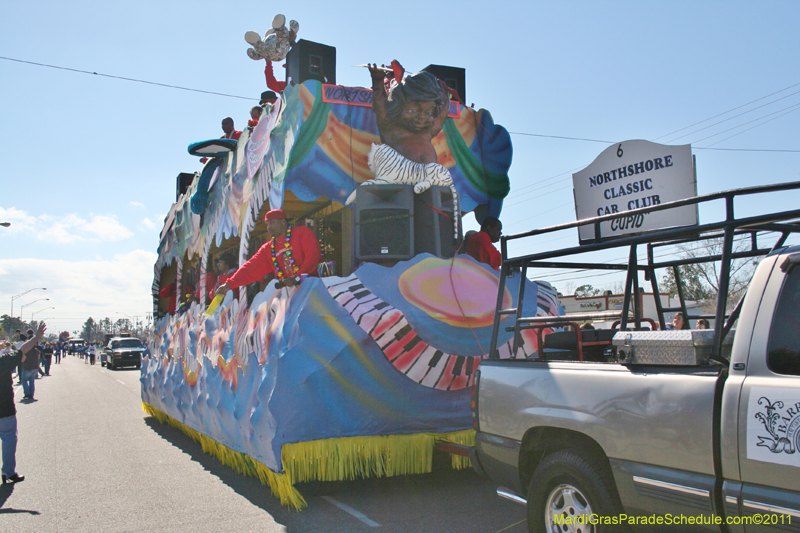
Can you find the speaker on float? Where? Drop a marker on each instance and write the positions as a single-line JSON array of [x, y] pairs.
[[308, 60], [453, 77], [433, 223], [185, 179], [384, 220]]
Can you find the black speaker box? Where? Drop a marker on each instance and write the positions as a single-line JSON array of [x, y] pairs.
[[384, 219], [185, 179], [308, 60], [433, 223], [453, 77]]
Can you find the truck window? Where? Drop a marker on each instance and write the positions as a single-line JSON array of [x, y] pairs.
[[783, 350], [126, 343]]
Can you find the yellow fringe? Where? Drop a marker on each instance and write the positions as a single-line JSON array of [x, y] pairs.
[[332, 459], [279, 484]]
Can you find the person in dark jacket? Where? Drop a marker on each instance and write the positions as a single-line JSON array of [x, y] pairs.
[[8, 411], [30, 370]]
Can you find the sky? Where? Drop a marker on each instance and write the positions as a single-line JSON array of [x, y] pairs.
[[90, 161]]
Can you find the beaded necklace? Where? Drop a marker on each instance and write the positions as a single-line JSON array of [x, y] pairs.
[[288, 246]]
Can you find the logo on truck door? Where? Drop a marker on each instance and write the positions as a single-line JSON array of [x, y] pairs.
[[773, 425]]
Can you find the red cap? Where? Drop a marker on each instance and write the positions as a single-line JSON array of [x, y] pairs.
[[275, 214]]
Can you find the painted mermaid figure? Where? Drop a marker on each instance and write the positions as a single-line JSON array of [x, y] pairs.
[[408, 118]]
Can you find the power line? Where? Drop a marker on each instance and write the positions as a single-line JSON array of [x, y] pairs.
[[126, 79], [136, 80], [733, 117], [728, 111], [792, 107]]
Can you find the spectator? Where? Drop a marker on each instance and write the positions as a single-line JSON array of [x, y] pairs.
[[47, 358], [480, 244], [8, 411], [30, 368], [702, 324], [678, 321], [227, 127], [18, 336]]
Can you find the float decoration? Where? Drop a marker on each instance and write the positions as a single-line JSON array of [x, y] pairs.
[[276, 43], [343, 376]]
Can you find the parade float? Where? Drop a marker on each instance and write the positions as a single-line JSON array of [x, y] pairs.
[[356, 372]]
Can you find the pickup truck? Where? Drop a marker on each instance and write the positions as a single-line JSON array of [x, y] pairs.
[[620, 433], [124, 351]]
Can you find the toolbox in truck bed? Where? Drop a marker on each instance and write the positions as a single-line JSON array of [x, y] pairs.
[[671, 347]]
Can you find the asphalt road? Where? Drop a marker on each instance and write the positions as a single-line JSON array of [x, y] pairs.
[[94, 461]]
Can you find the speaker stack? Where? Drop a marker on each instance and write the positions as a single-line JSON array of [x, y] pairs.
[[453, 77], [393, 223], [433, 223], [384, 222], [183, 182], [308, 60]]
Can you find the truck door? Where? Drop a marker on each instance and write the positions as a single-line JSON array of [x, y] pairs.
[[769, 408]]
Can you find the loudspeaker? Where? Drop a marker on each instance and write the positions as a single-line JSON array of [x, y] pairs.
[[384, 222], [453, 77], [433, 223], [308, 60], [185, 179]]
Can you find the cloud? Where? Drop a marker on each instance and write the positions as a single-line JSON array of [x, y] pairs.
[[81, 289], [105, 228], [137, 204], [20, 220], [149, 224], [65, 229]]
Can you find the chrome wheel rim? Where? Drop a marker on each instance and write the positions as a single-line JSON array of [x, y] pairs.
[[568, 511]]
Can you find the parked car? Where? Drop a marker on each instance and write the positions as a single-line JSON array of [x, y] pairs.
[[124, 351]]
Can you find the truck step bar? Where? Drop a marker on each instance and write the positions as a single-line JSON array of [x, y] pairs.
[[509, 495]]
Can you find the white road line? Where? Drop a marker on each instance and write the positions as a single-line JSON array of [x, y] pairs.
[[122, 382], [349, 510]]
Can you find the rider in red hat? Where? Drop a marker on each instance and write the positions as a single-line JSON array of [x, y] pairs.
[[292, 252]]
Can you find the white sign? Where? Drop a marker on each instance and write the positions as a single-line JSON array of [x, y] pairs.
[[773, 425], [630, 175]]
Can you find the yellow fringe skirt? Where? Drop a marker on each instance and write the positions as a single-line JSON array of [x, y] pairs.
[[331, 459]]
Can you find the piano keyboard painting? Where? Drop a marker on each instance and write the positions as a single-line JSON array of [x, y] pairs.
[[406, 351]]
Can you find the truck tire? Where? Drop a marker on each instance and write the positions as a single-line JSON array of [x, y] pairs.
[[570, 486]]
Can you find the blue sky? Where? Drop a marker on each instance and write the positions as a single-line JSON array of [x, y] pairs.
[[90, 162]]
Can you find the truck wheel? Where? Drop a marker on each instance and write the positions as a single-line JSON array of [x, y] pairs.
[[568, 491]]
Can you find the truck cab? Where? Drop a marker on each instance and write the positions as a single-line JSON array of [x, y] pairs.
[[760, 429]]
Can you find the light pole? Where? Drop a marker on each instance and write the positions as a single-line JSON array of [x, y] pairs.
[[23, 294], [30, 303], [39, 311]]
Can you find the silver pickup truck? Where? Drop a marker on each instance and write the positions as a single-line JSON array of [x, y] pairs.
[[677, 430]]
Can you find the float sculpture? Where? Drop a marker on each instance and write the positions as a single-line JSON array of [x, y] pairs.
[[356, 372]]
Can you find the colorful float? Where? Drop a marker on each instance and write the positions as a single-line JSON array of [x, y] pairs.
[[356, 372]]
